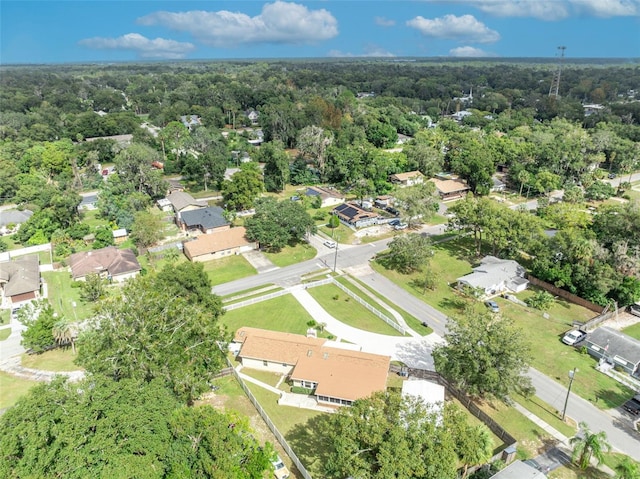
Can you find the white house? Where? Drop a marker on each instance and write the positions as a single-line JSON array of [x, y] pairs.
[[495, 276]]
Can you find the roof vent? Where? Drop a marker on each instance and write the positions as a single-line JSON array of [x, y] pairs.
[[325, 355], [309, 353]]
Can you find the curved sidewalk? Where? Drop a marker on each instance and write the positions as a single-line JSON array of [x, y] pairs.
[[414, 352]]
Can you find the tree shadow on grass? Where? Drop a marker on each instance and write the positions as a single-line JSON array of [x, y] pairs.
[[461, 248], [612, 398], [309, 443], [456, 303]]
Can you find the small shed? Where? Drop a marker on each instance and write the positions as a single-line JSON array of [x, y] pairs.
[[120, 235]]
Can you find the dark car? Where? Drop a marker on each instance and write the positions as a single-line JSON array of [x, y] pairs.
[[633, 405]]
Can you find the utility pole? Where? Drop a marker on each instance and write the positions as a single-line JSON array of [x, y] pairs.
[[335, 259], [555, 83], [572, 375]]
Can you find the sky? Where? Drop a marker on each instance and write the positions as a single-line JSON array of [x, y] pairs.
[[60, 31]]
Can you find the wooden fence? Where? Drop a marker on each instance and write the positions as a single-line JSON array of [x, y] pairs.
[[572, 298]]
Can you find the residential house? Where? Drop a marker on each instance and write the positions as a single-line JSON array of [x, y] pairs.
[[615, 348], [20, 280], [355, 216], [461, 115], [190, 121], [410, 178], [495, 276], [383, 201], [519, 470], [252, 116], [182, 202], [120, 235], [89, 201], [336, 376], [203, 220], [165, 205], [10, 220], [592, 109], [112, 263], [450, 189], [218, 245], [329, 196], [497, 184]]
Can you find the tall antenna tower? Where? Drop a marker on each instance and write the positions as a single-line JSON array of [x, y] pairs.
[[555, 83]]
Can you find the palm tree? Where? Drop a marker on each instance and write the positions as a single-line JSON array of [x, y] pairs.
[[477, 447], [64, 334], [588, 445], [627, 469]]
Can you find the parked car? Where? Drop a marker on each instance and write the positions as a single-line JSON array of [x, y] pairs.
[[392, 210], [612, 176], [394, 222], [400, 226], [280, 471], [633, 405], [493, 306], [330, 244], [574, 337]]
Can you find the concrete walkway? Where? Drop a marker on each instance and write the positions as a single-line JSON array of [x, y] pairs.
[[414, 352]]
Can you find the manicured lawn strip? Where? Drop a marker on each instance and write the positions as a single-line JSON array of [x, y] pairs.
[[12, 388], [92, 218], [5, 333], [283, 313], [62, 296], [251, 296], [228, 269], [530, 436], [341, 234], [411, 320], [633, 331], [545, 412], [354, 289], [348, 311], [249, 291], [292, 254], [54, 360], [298, 427], [5, 315], [264, 376]]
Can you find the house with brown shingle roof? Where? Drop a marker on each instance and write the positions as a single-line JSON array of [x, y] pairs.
[[182, 201], [110, 262], [410, 178], [218, 244], [20, 279], [450, 189], [337, 376], [355, 216]]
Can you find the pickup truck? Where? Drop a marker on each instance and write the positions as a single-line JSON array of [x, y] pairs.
[[633, 405]]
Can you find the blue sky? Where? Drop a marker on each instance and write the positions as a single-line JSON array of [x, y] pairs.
[[58, 31]]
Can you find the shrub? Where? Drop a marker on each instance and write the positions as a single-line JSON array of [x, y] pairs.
[[541, 300], [311, 323], [299, 390]]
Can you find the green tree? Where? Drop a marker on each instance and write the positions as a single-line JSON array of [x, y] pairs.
[[627, 469], [587, 445], [387, 435], [276, 166], [103, 238], [149, 332], [39, 319], [133, 165], [485, 355], [189, 281], [245, 186], [64, 333], [417, 203], [276, 224], [407, 253], [146, 229], [92, 288], [599, 191], [540, 300]]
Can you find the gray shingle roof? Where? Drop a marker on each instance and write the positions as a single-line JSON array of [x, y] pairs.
[[180, 200], [20, 275], [620, 344], [206, 218], [14, 216]]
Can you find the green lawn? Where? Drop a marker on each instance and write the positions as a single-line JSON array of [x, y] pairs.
[[250, 291], [545, 412], [292, 254], [228, 269], [63, 296], [264, 376], [633, 331], [12, 388], [54, 360], [92, 218], [341, 234], [411, 320], [246, 297], [5, 333], [5, 315], [349, 311], [283, 313], [157, 261]]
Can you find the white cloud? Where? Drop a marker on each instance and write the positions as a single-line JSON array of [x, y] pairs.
[[553, 9], [469, 52], [279, 22], [384, 22], [464, 28], [369, 51], [144, 47]]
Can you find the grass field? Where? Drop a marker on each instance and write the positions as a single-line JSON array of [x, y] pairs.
[[5, 315], [5, 333], [292, 254], [633, 331], [228, 269], [348, 311], [283, 313], [63, 296], [12, 388], [55, 360]]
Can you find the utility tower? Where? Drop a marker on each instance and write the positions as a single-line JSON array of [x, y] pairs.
[[555, 83]]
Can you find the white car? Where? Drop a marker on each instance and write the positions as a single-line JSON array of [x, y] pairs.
[[574, 336], [280, 471], [330, 244]]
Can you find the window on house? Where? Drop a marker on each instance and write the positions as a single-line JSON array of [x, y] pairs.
[[265, 363]]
